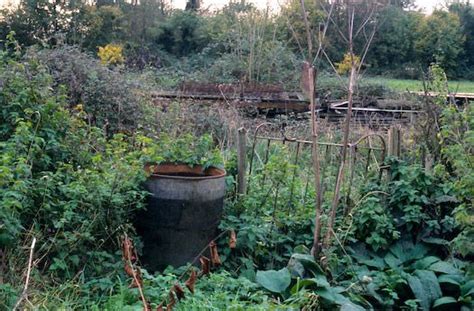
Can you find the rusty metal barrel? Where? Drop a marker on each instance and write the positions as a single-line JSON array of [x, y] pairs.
[[184, 209]]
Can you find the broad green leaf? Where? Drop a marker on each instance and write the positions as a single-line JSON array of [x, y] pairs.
[[331, 295], [377, 262], [307, 261], [372, 290], [451, 279], [436, 241], [417, 289], [406, 251], [338, 289], [302, 284], [468, 288], [321, 281], [318, 281], [444, 301], [399, 249], [296, 269], [425, 262], [361, 271], [392, 261], [444, 267], [274, 281], [301, 249], [425, 287], [350, 306], [418, 251], [469, 292]]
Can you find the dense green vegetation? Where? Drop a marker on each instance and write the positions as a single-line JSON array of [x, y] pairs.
[[78, 126], [241, 43], [403, 242]]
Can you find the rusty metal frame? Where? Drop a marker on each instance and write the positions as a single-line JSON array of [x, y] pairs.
[[353, 147]]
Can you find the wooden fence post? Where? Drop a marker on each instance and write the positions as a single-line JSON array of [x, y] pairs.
[[394, 141], [241, 160]]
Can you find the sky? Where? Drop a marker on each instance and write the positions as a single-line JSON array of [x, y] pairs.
[[426, 5]]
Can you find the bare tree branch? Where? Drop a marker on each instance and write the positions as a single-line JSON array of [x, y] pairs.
[[366, 20], [323, 35], [336, 26], [308, 31], [366, 48], [343, 83]]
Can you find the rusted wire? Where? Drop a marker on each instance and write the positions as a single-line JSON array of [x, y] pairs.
[[310, 142]]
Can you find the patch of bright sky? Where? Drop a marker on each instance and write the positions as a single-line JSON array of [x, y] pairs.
[[425, 5]]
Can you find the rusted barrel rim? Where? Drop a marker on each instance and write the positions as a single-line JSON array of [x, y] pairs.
[[165, 170]]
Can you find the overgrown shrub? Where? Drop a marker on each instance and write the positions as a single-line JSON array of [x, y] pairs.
[[108, 97], [61, 181]]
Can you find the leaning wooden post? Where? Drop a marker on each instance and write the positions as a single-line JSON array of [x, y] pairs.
[[394, 141], [241, 160]]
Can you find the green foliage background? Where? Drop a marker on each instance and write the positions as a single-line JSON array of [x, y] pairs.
[[241, 43]]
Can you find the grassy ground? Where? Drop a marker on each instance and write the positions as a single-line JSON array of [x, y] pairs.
[[415, 85]]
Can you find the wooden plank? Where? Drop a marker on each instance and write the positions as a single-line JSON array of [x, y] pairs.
[[230, 98]]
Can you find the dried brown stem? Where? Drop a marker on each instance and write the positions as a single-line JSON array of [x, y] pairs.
[[316, 167], [139, 285], [24, 293]]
